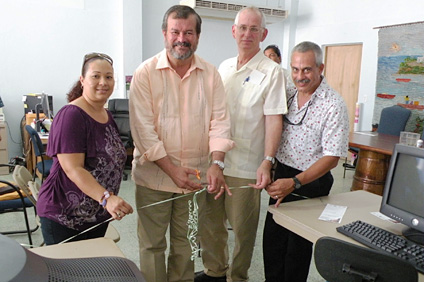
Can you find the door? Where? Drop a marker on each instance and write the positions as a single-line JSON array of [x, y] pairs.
[[342, 71]]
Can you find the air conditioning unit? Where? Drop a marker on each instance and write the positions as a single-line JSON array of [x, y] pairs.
[[228, 11]]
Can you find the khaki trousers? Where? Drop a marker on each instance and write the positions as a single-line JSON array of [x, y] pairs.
[[153, 223], [242, 211]]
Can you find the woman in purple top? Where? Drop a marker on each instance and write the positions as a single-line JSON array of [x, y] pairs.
[[88, 160]]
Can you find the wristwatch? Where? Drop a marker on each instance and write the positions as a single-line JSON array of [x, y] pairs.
[[271, 159], [297, 183], [220, 164]]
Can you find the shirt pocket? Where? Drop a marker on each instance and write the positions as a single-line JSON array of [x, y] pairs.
[[249, 92], [311, 138]]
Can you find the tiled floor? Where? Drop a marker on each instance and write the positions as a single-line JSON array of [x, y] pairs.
[[128, 227]]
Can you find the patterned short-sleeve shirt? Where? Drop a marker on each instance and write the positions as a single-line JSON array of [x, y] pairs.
[[324, 130], [74, 131]]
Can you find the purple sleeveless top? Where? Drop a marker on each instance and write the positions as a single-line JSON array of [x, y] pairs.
[[74, 131]]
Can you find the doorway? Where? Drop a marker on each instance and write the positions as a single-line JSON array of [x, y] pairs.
[[342, 71]]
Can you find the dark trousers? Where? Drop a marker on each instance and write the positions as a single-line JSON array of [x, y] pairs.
[[54, 233], [287, 256]]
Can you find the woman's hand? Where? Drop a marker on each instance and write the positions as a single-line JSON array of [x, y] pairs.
[[117, 207]]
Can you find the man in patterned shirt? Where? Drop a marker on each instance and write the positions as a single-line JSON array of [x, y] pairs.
[[315, 136]]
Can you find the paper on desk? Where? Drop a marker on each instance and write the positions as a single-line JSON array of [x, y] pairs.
[[333, 213], [366, 133]]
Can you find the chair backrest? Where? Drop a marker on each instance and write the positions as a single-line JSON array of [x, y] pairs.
[[120, 111], [36, 141], [338, 260], [393, 120], [22, 176], [35, 188]]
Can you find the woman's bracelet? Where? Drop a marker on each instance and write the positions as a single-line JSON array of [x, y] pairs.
[[103, 200]]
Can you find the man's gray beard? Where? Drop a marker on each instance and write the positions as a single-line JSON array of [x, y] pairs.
[[183, 56]]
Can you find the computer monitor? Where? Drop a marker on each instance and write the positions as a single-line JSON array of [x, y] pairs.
[[31, 101], [39, 103], [20, 264], [403, 195], [45, 106]]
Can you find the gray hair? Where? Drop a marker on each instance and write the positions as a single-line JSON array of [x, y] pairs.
[[254, 9], [306, 46]]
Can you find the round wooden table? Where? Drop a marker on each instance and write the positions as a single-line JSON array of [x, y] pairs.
[[375, 151]]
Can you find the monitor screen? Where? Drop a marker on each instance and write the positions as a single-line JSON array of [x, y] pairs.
[[45, 106], [403, 196]]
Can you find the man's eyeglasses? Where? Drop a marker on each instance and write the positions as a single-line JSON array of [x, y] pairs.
[[97, 55], [252, 29], [290, 102]]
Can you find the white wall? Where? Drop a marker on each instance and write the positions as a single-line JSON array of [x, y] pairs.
[[339, 22], [42, 47], [216, 42], [43, 41]]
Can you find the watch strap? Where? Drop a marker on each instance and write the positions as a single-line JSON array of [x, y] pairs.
[[220, 164]]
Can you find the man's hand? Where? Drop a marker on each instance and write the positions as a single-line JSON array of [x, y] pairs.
[[263, 175], [279, 189], [216, 182], [180, 176]]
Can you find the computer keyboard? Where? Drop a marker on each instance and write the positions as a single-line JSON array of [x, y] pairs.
[[386, 241]]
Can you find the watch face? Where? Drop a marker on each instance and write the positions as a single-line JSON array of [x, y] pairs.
[[271, 159], [297, 183]]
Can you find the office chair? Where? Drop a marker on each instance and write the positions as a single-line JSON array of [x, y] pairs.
[[12, 199], [392, 121], [44, 166], [22, 176], [338, 260], [120, 112], [20, 264]]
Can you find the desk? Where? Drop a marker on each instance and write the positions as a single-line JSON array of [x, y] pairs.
[[373, 160], [301, 217], [99, 247]]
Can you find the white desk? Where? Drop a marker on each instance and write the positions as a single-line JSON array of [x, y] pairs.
[[301, 217], [99, 247]]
